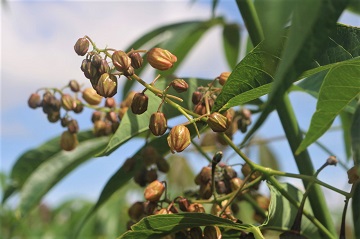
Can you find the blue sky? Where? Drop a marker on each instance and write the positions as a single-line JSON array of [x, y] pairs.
[[37, 50]]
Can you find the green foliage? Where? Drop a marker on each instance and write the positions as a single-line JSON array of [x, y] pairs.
[[160, 225], [315, 50]]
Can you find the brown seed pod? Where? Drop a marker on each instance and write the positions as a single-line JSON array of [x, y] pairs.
[[91, 97], [139, 103], [154, 191], [218, 122], [223, 77], [81, 46], [158, 123], [179, 85], [161, 59], [121, 61], [136, 60], [34, 100], [212, 232], [179, 138], [74, 86], [68, 102], [68, 141], [107, 85]]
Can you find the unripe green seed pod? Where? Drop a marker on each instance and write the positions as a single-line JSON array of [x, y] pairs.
[[91, 97], [218, 122], [179, 138], [154, 191], [158, 123], [81, 46], [179, 85], [68, 141], [139, 103], [121, 61], [161, 59], [34, 100], [107, 85]]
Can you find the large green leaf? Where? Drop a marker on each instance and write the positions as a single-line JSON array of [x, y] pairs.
[[159, 225], [54, 169], [307, 39], [346, 119], [231, 43], [282, 213], [252, 77], [341, 85], [167, 37], [29, 161], [132, 125]]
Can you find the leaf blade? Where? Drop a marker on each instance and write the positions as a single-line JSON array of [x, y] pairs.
[[53, 170], [340, 87]]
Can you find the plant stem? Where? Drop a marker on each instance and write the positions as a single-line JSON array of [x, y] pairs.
[[251, 20], [303, 162], [323, 230]]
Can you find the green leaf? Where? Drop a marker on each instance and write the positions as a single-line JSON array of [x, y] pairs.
[[29, 161], [341, 85], [132, 125], [54, 169], [231, 43], [282, 213], [167, 37], [346, 119], [307, 38], [160, 225], [253, 76]]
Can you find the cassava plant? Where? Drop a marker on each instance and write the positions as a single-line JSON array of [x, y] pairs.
[[293, 45]]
